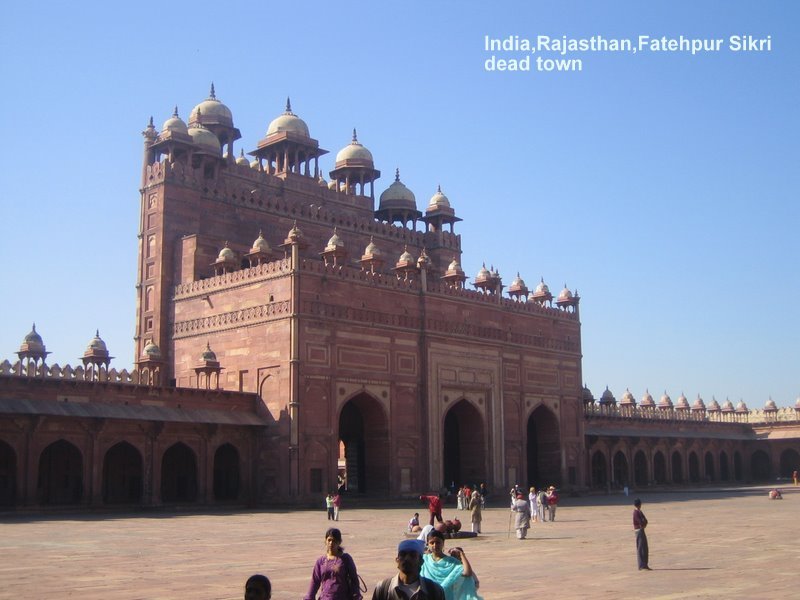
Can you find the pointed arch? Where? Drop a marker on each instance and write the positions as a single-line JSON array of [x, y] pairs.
[[599, 469], [364, 431], [724, 469], [60, 478], [709, 465], [227, 473], [640, 475], [122, 474], [760, 467], [8, 475], [179, 474], [464, 451], [543, 446], [620, 469], [659, 467], [677, 467], [790, 462], [694, 467]]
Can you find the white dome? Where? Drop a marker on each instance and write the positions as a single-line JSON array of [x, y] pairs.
[[288, 121]]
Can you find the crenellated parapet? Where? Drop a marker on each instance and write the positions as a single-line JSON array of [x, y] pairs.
[[655, 413], [233, 279], [70, 373]]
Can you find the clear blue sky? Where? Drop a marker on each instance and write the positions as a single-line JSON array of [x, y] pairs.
[[664, 187]]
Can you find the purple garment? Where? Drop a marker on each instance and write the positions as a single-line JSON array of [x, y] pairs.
[[335, 579]]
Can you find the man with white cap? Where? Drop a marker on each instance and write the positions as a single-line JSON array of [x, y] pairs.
[[408, 584]]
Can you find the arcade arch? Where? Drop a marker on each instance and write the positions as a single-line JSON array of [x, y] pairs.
[[659, 467], [694, 467], [464, 451], [226, 473], [677, 468], [640, 476], [122, 475], [599, 470], [620, 469], [60, 474], [724, 470], [760, 467], [710, 475], [8, 475], [790, 462], [364, 431], [543, 448], [179, 474]]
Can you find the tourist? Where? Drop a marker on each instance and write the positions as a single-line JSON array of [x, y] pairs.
[[523, 516], [460, 499], [552, 502], [484, 491], [329, 506], [794, 477], [257, 587], [413, 524], [434, 506], [334, 574], [408, 583], [541, 504], [452, 571], [775, 494], [337, 504], [639, 524], [532, 501], [475, 507]]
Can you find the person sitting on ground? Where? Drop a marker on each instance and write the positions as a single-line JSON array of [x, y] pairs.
[[408, 583], [452, 571], [413, 524], [775, 494], [335, 572], [257, 587]]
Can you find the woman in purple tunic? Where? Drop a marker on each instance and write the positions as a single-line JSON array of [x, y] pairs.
[[334, 575]]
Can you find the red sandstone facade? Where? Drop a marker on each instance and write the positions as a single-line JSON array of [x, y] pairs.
[[288, 328]]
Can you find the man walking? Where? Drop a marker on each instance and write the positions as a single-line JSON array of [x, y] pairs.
[[639, 525]]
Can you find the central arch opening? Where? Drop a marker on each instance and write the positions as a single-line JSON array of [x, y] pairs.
[[60, 474], [543, 448], [464, 454], [364, 432], [122, 475]]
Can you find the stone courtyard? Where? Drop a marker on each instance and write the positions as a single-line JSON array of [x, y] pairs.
[[732, 543]]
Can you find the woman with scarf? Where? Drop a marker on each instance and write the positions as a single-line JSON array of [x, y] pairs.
[[451, 571], [334, 574]]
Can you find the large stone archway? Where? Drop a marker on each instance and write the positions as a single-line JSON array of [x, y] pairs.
[[543, 448], [677, 467], [122, 475], [659, 467], [227, 473], [640, 475], [464, 451], [790, 462], [364, 431], [599, 470], [760, 467], [60, 474], [179, 474], [724, 471], [620, 463], [8, 475]]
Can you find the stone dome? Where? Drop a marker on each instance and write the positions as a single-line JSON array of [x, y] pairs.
[[33, 339], [438, 200], [647, 400], [175, 124], [518, 282], [742, 407], [260, 244], [454, 267], [397, 196], [665, 402], [288, 121], [682, 403], [607, 397], [698, 404], [627, 399], [151, 351], [713, 406], [406, 256], [354, 152], [372, 249], [727, 406], [588, 397], [226, 254], [541, 288], [96, 343], [770, 405], [565, 294], [211, 110], [242, 159], [483, 274], [334, 242], [294, 234], [208, 354], [204, 139]]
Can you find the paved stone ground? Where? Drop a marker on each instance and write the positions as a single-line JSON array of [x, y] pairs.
[[731, 543]]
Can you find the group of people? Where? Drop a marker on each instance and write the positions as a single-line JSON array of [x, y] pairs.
[[425, 572], [537, 507], [465, 494], [333, 501]]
